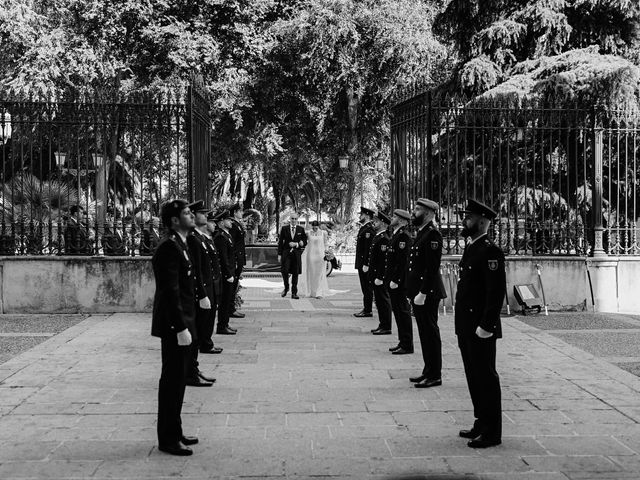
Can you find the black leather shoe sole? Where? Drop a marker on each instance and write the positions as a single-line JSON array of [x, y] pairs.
[[417, 379], [198, 383], [481, 442], [189, 440], [393, 349], [284, 294], [381, 332], [206, 379], [178, 450], [363, 315], [401, 351], [470, 434], [226, 332], [237, 315], [428, 383], [295, 297], [214, 350]]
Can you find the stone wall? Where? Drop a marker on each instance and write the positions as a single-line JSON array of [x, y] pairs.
[[126, 284]]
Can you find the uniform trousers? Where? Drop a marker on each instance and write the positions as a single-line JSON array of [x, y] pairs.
[[205, 321], [479, 359], [383, 305], [402, 314], [175, 360], [430, 342], [225, 305], [367, 291]]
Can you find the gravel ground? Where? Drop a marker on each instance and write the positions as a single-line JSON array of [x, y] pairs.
[[581, 321], [24, 325]]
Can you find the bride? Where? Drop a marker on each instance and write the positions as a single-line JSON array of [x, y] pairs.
[[313, 281]]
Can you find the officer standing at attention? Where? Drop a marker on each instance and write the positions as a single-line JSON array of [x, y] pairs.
[[174, 322], [224, 246], [363, 245], [397, 262], [425, 289], [238, 234], [204, 293], [477, 323], [376, 262]]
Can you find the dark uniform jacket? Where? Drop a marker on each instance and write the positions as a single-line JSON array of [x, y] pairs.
[[425, 255], [174, 302], [481, 288], [237, 234], [150, 241], [113, 243], [198, 250], [378, 255], [397, 258], [224, 245], [363, 244], [283, 244], [76, 239]]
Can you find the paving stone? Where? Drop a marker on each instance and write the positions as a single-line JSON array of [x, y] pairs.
[[51, 470], [583, 445], [571, 463]]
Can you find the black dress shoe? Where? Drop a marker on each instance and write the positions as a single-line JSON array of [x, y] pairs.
[[295, 296], [206, 379], [380, 331], [417, 379], [225, 331], [401, 351], [189, 440], [231, 328], [363, 314], [237, 315], [176, 449], [428, 383], [284, 293], [376, 329], [483, 442], [393, 349], [212, 350], [198, 382], [471, 434]]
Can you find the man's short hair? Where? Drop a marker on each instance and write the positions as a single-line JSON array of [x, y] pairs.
[[74, 209]]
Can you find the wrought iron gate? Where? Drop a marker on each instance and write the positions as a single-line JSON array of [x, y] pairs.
[[199, 125]]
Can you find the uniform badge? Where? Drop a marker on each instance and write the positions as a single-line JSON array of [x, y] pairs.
[[367, 235], [383, 248], [493, 265], [434, 245], [402, 244]]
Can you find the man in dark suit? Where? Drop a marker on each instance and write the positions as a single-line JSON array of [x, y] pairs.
[[238, 234], [224, 245], [395, 279], [363, 245], [479, 299], [204, 294], [291, 243], [150, 237], [425, 289], [77, 236], [174, 322], [112, 240], [377, 262]]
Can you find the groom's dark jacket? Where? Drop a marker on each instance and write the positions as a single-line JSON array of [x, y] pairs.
[[288, 253]]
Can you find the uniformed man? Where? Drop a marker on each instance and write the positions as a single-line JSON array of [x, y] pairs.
[[425, 289], [224, 245], [363, 245], [395, 279], [238, 234], [479, 301], [377, 262], [204, 294], [174, 322]]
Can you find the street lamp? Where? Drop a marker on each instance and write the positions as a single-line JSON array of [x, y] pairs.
[[61, 159], [98, 160], [5, 127], [344, 162], [380, 164]]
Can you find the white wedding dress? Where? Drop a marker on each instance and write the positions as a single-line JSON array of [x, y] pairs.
[[313, 280]]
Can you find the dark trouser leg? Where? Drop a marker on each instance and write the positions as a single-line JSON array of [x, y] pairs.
[[430, 342], [383, 305], [205, 326], [171, 390], [224, 307], [367, 291], [294, 283], [402, 314], [479, 358], [284, 269]]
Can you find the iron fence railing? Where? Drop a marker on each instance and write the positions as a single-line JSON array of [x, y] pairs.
[[86, 176], [562, 179]]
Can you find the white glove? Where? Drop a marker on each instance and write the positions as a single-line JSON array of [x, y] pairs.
[[419, 299], [482, 333], [184, 338], [205, 303], [230, 279], [279, 258], [293, 244], [301, 243], [377, 282], [393, 285], [365, 268]]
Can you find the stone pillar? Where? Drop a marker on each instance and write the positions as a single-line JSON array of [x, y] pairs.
[[604, 281]]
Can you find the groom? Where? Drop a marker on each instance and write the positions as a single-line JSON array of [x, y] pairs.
[[291, 243]]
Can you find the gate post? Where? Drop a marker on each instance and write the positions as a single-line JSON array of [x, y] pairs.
[[598, 246]]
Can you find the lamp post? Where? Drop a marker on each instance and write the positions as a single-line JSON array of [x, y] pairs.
[[99, 163], [5, 127], [344, 162]]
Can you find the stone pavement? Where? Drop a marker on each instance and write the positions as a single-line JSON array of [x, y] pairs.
[[305, 391]]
